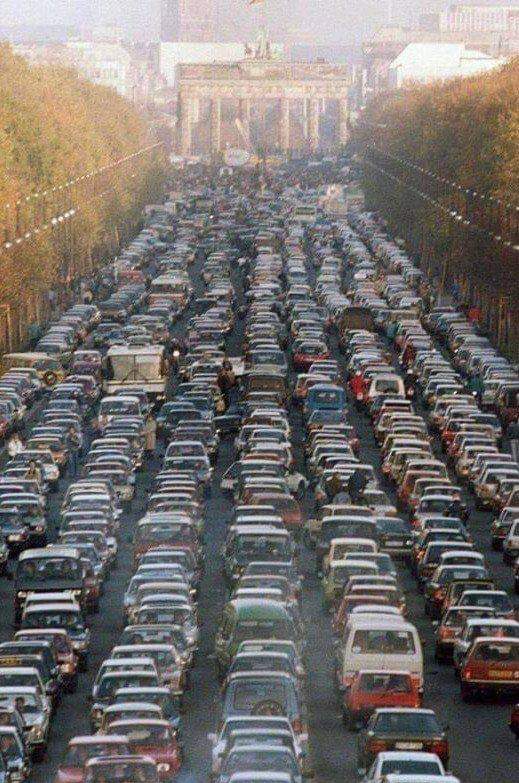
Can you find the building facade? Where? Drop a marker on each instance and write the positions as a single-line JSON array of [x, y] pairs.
[[188, 20], [480, 18]]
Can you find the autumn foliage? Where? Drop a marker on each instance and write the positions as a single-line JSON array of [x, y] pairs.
[[54, 127], [467, 132]]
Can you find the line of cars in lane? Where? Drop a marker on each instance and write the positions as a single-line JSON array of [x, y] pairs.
[[40, 662], [136, 692], [356, 534], [477, 623], [58, 584], [262, 733]]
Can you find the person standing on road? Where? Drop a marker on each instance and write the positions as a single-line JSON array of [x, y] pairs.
[[226, 381], [150, 434], [513, 435], [14, 445], [74, 444], [357, 386], [33, 472], [356, 486], [334, 485]]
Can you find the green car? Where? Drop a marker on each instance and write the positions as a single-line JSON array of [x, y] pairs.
[[337, 575], [245, 619]]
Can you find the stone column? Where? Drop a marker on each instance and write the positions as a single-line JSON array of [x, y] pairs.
[[186, 125], [343, 128], [304, 115], [284, 123], [244, 114], [216, 124], [313, 122]]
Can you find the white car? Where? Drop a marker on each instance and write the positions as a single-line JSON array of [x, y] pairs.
[[405, 764], [420, 779], [511, 543]]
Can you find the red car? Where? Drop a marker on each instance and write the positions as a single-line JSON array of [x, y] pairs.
[[309, 352], [81, 749], [490, 666], [371, 690], [154, 739]]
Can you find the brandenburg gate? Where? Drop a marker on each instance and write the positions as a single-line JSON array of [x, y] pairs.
[[297, 94]]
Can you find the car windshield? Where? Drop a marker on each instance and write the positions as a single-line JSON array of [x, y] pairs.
[[258, 760], [401, 723], [499, 652], [263, 629], [383, 642], [122, 772], [374, 682], [49, 568], [249, 695], [499, 602], [52, 619], [410, 767], [26, 703], [262, 548], [78, 755], [147, 735]]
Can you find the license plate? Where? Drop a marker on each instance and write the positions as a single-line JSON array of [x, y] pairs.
[[394, 543], [502, 674], [408, 745]]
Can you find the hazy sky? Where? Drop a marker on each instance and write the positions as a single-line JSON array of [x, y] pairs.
[[325, 21]]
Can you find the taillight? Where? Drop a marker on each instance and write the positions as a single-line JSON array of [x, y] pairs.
[[439, 747], [376, 746]]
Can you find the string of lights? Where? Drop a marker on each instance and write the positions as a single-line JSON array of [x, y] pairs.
[[444, 181], [82, 178], [450, 213], [58, 220]]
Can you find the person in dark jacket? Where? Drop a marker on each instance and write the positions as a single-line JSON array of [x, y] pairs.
[[356, 486], [513, 436]]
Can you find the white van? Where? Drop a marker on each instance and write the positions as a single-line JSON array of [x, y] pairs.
[[384, 643]]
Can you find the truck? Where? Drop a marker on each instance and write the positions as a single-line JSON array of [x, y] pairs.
[[140, 367]]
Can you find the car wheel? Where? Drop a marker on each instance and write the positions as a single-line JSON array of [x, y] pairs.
[[467, 693], [39, 753]]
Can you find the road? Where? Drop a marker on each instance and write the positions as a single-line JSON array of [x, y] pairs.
[[483, 750]]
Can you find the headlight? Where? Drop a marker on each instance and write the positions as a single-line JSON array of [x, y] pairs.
[[15, 537], [163, 767]]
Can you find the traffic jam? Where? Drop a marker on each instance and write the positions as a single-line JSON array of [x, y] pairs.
[[259, 514]]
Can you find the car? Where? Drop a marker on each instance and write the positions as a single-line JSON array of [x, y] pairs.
[[82, 748], [153, 738], [490, 666], [371, 690], [401, 729], [407, 764]]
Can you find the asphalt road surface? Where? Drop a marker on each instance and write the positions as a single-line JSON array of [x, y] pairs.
[[483, 749]]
